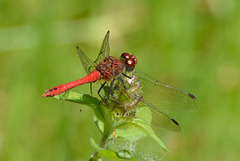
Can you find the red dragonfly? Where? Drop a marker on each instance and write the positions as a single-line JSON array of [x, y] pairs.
[[160, 97]]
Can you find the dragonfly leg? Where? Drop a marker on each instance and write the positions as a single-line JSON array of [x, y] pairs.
[[91, 88], [124, 84], [101, 89], [130, 77], [109, 92]]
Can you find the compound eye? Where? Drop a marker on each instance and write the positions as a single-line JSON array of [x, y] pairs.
[[130, 64], [133, 57], [125, 55]]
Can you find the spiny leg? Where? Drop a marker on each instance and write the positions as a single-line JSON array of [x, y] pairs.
[[109, 92], [101, 89], [130, 77], [124, 84]]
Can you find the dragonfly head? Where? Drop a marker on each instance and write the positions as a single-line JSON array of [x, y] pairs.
[[129, 60]]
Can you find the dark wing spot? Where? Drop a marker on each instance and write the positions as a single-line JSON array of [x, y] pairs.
[[175, 122], [192, 96], [54, 88], [80, 110]]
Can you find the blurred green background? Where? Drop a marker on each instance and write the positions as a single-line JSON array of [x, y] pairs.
[[193, 45]]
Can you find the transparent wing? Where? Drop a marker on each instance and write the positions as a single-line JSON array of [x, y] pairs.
[[105, 49], [164, 97], [87, 63], [128, 99], [90, 65], [159, 97], [162, 120]]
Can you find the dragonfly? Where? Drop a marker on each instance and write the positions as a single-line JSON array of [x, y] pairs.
[[161, 98]]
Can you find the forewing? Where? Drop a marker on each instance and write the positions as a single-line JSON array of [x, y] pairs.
[[164, 97], [87, 63], [105, 49]]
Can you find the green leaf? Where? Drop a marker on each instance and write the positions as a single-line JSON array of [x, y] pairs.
[[131, 129], [99, 124], [85, 99], [124, 154], [117, 156], [78, 98], [130, 132]]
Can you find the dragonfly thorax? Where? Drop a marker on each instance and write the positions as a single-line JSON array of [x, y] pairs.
[[110, 67]]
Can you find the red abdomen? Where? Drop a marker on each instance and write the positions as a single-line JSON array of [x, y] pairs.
[[92, 77]]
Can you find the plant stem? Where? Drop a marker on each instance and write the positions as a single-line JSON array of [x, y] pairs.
[[96, 156]]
